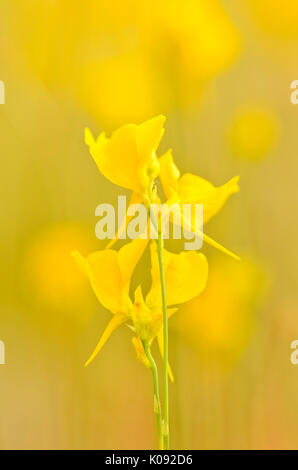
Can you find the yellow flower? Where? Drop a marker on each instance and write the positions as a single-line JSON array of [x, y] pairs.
[[192, 189], [50, 270], [277, 18], [125, 59], [110, 273], [128, 158], [253, 133], [202, 35], [180, 272], [139, 93]]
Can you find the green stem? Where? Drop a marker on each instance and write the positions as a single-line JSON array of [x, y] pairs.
[[165, 344], [157, 406]]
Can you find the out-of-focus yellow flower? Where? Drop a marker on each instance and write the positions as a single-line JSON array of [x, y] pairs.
[[220, 322], [110, 272], [138, 92], [50, 269], [201, 35], [253, 133], [277, 17], [176, 49], [128, 158], [123, 60]]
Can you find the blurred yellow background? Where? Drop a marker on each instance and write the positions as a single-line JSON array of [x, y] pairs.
[[221, 73]]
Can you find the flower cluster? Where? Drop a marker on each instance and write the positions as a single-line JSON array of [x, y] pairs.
[[129, 160]]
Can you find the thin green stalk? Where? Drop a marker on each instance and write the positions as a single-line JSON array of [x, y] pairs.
[[157, 406], [166, 432]]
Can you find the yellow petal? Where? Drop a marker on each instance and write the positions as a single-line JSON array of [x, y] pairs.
[[189, 225], [137, 343], [135, 199], [219, 247], [116, 321], [149, 134], [103, 270], [146, 321], [139, 299], [160, 345], [193, 189], [117, 158], [109, 273], [82, 263], [128, 157], [185, 276], [128, 257], [89, 139], [169, 175], [171, 311]]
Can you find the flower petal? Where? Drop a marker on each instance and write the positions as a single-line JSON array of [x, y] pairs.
[[169, 175], [110, 271], [191, 226], [137, 343], [135, 199], [185, 277], [128, 257], [114, 323], [128, 158], [117, 158], [102, 269], [149, 135], [193, 189]]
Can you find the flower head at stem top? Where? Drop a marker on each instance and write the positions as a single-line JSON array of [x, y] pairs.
[[185, 278], [128, 158]]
